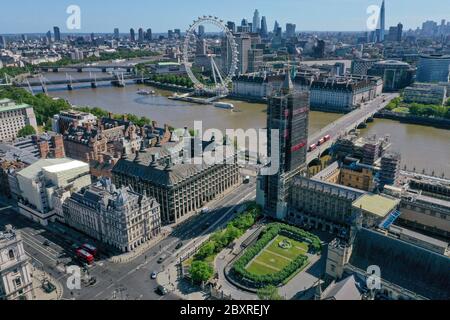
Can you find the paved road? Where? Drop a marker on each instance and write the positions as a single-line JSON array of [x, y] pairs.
[[120, 281]]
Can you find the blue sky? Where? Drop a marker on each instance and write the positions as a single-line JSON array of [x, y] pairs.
[[27, 16]]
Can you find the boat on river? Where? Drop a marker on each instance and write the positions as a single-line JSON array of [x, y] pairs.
[[224, 105]]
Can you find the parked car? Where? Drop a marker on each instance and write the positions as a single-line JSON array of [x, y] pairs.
[[153, 275], [162, 290]]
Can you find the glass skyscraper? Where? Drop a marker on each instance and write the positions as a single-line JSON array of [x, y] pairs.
[[256, 22]]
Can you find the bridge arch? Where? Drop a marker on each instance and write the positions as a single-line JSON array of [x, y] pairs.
[[314, 163], [326, 152]]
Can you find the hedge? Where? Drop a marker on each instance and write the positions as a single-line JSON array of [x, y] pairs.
[[239, 268]]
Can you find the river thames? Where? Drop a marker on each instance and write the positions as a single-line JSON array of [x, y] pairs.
[[421, 147]]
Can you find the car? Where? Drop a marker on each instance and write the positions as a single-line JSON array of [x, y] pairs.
[[92, 281], [162, 290], [179, 245], [153, 275], [206, 225], [162, 259], [48, 287]]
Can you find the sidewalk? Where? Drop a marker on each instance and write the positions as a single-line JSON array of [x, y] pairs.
[[182, 288], [222, 261], [38, 292]]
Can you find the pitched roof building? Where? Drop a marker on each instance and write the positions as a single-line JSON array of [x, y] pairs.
[[167, 173]]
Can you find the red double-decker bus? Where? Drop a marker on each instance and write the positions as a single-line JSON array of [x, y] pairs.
[[85, 256], [312, 147], [90, 249]]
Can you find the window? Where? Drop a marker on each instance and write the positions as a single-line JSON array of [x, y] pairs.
[[11, 254], [18, 282]]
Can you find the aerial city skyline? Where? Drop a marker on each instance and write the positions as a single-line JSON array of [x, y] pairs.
[[352, 19], [232, 157]]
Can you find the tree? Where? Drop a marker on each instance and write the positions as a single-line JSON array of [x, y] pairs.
[[206, 250], [447, 115], [231, 234], [269, 293], [201, 271], [26, 131]]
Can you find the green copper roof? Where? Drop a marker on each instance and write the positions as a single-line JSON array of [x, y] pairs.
[[10, 105]]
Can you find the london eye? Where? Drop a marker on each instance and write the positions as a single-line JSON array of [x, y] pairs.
[[210, 62]]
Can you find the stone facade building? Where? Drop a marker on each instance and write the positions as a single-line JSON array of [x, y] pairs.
[[329, 93], [15, 269], [288, 112], [120, 218], [13, 118]]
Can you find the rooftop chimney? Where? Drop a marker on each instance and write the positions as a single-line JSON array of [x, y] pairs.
[[154, 162], [136, 159], [142, 146], [169, 164], [124, 154]]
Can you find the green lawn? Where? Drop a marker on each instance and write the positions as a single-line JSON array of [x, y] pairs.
[[274, 258]]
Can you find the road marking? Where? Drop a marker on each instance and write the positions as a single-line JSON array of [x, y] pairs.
[[46, 254], [34, 240]]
